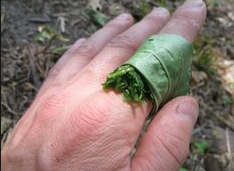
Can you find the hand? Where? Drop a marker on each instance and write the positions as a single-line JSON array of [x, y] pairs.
[[74, 125]]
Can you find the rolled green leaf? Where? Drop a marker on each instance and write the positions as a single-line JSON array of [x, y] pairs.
[[159, 71]]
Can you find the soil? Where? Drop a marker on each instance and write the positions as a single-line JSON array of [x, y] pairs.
[[25, 63]]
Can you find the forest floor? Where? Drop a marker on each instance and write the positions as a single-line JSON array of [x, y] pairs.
[[35, 33]]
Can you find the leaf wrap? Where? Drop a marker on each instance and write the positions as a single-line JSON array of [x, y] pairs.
[[164, 62]]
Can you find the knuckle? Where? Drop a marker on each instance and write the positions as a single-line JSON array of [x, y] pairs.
[[175, 146], [123, 42], [155, 17], [16, 154], [87, 49], [186, 20], [53, 72], [118, 23], [46, 159], [115, 24]]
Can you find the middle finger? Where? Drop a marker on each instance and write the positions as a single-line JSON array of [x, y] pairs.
[[119, 49]]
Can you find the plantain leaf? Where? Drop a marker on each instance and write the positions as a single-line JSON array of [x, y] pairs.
[[159, 70]]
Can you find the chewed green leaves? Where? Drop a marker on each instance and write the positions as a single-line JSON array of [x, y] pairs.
[[126, 80]]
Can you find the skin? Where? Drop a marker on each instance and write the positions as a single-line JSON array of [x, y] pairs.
[[74, 125]]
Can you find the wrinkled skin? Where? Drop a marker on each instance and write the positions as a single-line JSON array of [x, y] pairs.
[[74, 125]]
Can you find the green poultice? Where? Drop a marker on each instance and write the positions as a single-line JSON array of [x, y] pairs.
[[159, 71]]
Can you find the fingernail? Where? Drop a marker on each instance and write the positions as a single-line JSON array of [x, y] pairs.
[[188, 110], [194, 3], [79, 42], [124, 16], [159, 10]]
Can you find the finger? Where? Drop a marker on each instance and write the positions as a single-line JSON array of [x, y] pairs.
[[124, 45], [59, 64], [68, 54], [165, 144], [78, 58], [187, 20]]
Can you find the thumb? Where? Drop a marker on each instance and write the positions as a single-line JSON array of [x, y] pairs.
[[165, 145]]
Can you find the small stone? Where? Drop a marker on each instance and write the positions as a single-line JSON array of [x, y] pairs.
[[199, 76]]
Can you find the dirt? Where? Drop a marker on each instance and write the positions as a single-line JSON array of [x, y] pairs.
[[25, 63]]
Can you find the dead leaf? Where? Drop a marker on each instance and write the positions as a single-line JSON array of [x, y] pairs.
[[231, 15], [5, 123], [62, 23], [95, 4], [226, 70]]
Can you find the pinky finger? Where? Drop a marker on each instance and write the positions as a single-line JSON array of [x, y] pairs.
[[60, 63]]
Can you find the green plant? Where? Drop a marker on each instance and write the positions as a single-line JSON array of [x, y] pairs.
[[227, 99], [213, 2], [58, 50], [140, 10], [48, 34], [45, 34], [183, 169], [204, 55], [201, 146], [162, 3]]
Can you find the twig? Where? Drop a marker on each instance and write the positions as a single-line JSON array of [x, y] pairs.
[[229, 124], [43, 51], [40, 20], [197, 86], [226, 122], [31, 57], [9, 109], [74, 22], [2, 22], [198, 130], [229, 149]]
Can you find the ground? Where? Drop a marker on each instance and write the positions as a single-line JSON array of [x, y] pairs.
[[35, 33]]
